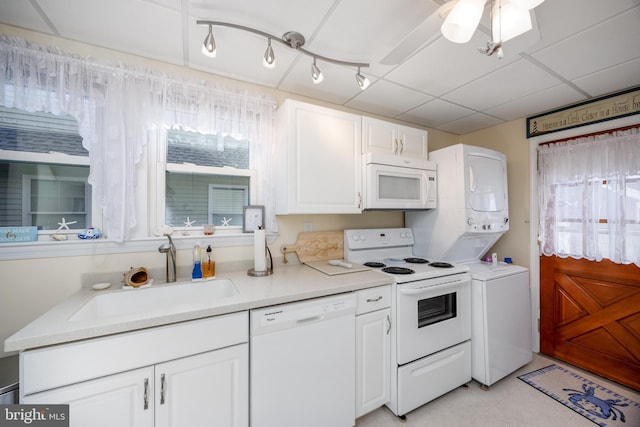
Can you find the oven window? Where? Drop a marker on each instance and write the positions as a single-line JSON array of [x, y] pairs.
[[436, 309]]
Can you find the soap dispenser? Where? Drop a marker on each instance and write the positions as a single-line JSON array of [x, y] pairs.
[[197, 263], [208, 264]]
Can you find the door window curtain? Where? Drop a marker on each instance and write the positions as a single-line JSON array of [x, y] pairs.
[[589, 197], [117, 104]]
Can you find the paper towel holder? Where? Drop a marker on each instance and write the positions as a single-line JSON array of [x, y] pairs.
[[267, 272]]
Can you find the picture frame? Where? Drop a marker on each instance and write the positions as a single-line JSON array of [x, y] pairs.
[[253, 218]]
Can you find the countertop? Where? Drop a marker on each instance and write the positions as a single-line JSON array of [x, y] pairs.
[[288, 283]]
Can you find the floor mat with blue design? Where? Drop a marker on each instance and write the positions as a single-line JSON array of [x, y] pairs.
[[594, 402]]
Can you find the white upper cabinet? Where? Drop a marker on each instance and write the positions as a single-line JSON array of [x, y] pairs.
[[319, 160], [386, 137]]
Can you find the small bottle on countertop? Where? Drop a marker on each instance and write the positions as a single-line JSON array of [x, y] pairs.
[[208, 264], [197, 263]]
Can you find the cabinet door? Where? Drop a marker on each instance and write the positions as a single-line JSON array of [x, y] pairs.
[[321, 162], [413, 142], [378, 135], [209, 389], [373, 366], [123, 400]]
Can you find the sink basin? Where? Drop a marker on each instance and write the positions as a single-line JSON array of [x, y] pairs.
[[156, 300]]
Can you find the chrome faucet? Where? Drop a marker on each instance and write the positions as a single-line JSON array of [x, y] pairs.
[[170, 250]]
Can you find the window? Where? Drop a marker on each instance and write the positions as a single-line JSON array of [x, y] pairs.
[[589, 197], [43, 171], [207, 179]]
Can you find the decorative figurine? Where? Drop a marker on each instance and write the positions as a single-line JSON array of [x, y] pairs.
[[64, 225], [187, 225], [90, 233]]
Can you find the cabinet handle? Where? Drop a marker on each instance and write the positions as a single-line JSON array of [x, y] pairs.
[[162, 388], [388, 324], [359, 200], [395, 145], [401, 146], [146, 394], [374, 299]]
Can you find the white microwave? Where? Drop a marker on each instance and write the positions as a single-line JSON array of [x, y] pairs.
[[394, 182]]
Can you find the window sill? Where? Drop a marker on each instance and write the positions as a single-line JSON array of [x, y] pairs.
[[77, 247]]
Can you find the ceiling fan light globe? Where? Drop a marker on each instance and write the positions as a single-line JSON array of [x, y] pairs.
[[509, 20], [463, 20]]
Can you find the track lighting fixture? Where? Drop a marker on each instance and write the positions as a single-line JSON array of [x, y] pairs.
[[291, 39], [209, 45], [363, 82], [269, 60], [316, 74]]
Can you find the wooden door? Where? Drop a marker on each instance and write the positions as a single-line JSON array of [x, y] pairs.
[[590, 316]]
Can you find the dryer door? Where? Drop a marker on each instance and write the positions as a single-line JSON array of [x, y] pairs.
[[486, 183]]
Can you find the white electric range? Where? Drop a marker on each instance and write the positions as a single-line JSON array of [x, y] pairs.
[[431, 316]]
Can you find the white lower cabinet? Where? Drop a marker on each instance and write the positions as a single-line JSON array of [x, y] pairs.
[[124, 400], [209, 389], [197, 375], [373, 349]]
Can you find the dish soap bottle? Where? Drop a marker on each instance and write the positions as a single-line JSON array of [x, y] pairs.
[[208, 265], [197, 263]]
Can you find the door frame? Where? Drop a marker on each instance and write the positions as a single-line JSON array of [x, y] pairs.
[[534, 256]]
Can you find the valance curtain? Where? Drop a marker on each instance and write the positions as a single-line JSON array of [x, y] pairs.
[[116, 105], [589, 197]]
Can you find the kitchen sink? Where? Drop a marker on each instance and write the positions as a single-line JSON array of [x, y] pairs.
[[156, 300]]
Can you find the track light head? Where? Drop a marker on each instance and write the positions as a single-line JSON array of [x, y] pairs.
[[363, 82], [269, 59], [316, 74], [209, 45]]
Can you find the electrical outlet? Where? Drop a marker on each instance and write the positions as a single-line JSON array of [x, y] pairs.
[[308, 226]]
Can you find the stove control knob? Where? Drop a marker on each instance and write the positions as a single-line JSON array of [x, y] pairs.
[[355, 237], [470, 221], [362, 237]]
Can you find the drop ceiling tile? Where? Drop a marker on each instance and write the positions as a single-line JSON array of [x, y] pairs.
[[509, 83], [21, 13], [561, 19], [585, 53], [443, 66], [611, 79], [536, 103], [387, 99], [435, 112], [359, 30], [147, 30], [470, 124]]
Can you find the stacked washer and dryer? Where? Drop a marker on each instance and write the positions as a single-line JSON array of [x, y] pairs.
[[472, 214]]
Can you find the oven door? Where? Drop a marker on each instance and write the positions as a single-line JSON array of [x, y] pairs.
[[432, 315]]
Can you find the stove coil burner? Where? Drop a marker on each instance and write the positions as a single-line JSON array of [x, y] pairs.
[[441, 265], [374, 264], [416, 260], [398, 270]]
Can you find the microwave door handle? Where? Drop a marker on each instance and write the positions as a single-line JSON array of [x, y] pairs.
[[425, 289]]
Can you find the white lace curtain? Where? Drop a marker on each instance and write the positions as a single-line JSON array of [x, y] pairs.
[[589, 197], [117, 104]]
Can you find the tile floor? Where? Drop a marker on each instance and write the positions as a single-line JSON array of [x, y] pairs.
[[510, 402]]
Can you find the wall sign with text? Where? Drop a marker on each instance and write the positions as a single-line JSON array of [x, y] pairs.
[[609, 107]]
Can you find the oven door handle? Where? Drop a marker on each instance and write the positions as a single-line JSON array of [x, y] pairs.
[[431, 288]]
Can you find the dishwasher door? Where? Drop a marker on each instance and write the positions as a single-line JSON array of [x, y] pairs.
[[303, 363]]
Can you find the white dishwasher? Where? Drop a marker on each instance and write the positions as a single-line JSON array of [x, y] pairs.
[[302, 363]]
